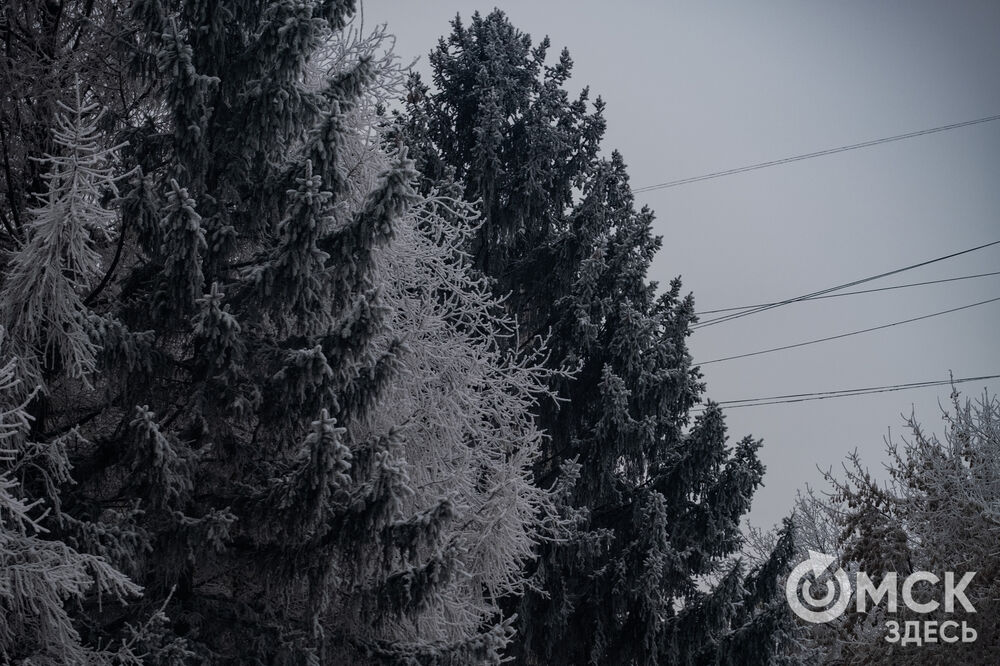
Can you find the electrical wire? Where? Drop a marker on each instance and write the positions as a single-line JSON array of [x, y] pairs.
[[806, 156], [853, 293], [845, 335], [854, 283], [843, 393]]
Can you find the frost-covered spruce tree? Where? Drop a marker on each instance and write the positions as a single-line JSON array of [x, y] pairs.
[[51, 575], [290, 417], [649, 574], [463, 408], [48, 278]]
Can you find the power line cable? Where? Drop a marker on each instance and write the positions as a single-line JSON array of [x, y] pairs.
[[818, 153], [819, 395], [854, 293], [854, 283], [843, 393], [845, 335], [855, 391]]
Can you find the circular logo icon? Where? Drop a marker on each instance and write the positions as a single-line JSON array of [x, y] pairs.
[[831, 604]]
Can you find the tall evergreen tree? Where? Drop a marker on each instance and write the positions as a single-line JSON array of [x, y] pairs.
[[648, 575], [46, 332], [270, 392]]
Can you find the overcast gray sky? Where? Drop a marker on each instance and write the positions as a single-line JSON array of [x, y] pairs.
[[699, 87]]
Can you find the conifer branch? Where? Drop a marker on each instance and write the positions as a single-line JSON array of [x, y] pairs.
[[108, 274]]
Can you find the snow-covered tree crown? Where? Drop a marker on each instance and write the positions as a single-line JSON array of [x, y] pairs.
[[49, 278]]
